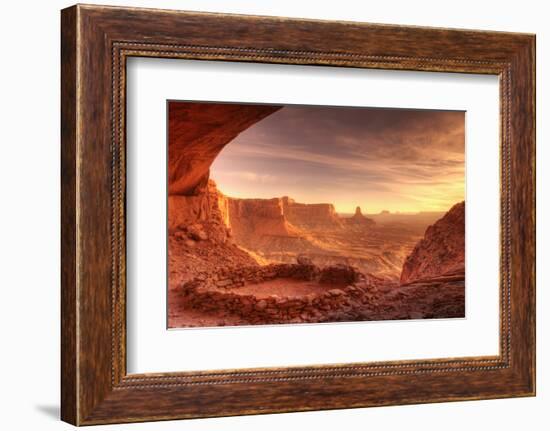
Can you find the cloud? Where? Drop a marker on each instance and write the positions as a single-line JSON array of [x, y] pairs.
[[382, 156], [252, 176]]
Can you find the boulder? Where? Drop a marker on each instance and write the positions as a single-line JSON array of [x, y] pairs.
[[196, 232]]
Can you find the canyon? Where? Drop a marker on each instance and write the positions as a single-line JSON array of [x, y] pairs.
[[278, 230], [264, 261]]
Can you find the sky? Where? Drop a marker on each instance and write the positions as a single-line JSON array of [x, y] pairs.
[[379, 159]]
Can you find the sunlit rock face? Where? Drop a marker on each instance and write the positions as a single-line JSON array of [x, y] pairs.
[[314, 216], [196, 137], [251, 219], [206, 209], [279, 216], [441, 251]]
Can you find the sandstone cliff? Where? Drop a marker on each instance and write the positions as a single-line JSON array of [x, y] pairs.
[[252, 219], [258, 217], [310, 216], [206, 208], [267, 228], [441, 251]]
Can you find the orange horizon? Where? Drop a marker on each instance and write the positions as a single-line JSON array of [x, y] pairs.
[[350, 207]]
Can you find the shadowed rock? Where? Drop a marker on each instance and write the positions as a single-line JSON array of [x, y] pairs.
[[441, 251], [198, 132]]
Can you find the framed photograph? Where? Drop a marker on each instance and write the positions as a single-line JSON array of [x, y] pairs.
[[264, 215]]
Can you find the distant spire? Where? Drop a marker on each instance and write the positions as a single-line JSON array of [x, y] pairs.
[[358, 211]]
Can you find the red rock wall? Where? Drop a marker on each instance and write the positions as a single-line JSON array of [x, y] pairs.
[[310, 215], [206, 205], [197, 133], [442, 249], [253, 218]]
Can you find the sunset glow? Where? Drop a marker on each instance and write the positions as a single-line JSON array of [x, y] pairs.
[[379, 159]]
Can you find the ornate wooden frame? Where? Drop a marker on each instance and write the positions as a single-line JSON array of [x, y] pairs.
[[95, 43]]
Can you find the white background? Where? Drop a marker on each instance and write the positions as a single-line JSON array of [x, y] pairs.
[[29, 226], [151, 348]]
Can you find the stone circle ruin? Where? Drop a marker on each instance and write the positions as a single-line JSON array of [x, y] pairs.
[[222, 291]]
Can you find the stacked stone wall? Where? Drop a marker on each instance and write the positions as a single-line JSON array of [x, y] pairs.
[[219, 292]]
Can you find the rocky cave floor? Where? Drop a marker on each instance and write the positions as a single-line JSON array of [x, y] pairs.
[[439, 297], [422, 300]]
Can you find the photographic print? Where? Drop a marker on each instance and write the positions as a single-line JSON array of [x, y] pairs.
[[289, 214]]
